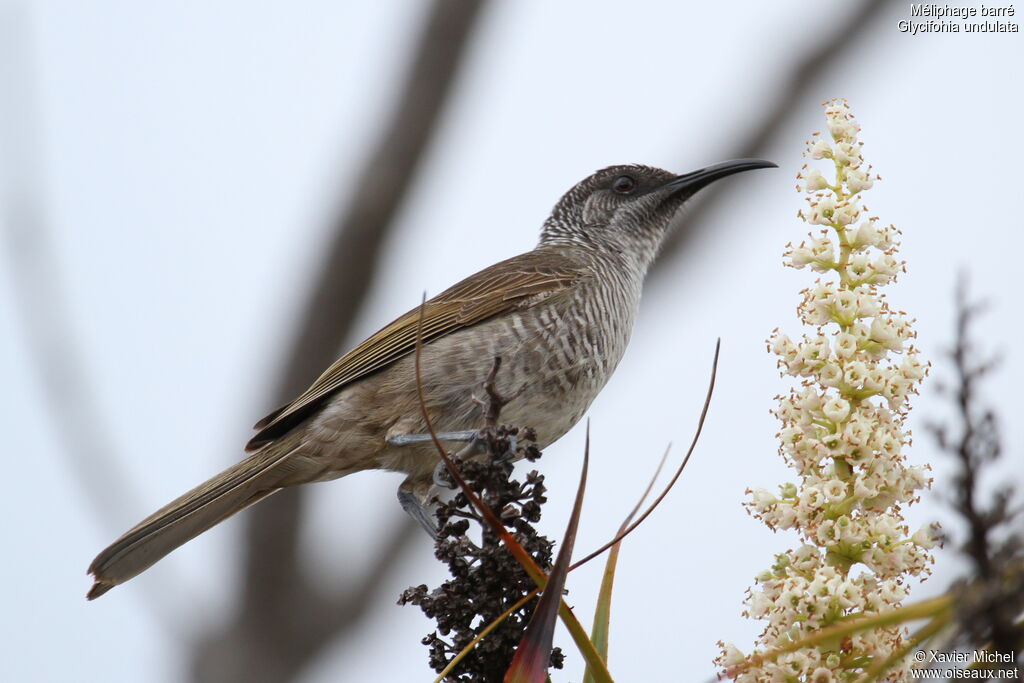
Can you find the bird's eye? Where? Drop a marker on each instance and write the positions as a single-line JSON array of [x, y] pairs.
[[624, 184]]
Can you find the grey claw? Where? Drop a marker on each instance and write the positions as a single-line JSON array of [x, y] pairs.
[[439, 481], [513, 444], [418, 511]]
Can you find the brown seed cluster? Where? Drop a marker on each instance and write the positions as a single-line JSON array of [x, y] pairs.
[[485, 579]]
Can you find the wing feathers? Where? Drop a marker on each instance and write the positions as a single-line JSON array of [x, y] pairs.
[[502, 287]]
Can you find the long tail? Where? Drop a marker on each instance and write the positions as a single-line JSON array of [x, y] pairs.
[[178, 522]]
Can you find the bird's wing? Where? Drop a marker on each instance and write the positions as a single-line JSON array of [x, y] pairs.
[[502, 287]]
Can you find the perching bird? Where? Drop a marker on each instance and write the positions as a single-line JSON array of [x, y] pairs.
[[559, 317]]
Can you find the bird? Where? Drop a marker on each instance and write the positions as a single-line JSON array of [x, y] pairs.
[[559, 318]]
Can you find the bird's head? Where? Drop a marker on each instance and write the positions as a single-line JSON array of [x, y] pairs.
[[628, 209]]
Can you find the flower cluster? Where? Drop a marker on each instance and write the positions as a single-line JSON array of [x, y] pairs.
[[486, 579], [843, 432]]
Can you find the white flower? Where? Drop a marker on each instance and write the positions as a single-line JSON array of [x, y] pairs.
[[819, 149], [885, 267], [857, 431], [856, 372], [874, 380], [865, 488], [822, 249], [886, 333], [834, 491], [867, 305], [830, 374], [822, 675], [783, 346], [858, 180], [800, 256], [731, 655], [846, 306], [912, 368], [822, 211], [867, 235], [847, 154], [836, 410], [815, 351], [843, 129], [860, 267], [846, 213], [814, 181], [925, 537]]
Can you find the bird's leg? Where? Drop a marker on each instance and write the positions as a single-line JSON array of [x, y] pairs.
[[418, 508], [467, 435]]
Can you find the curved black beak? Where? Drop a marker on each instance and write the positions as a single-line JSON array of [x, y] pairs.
[[690, 183]]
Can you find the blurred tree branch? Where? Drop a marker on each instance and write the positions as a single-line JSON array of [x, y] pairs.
[[84, 438], [35, 277], [791, 96], [990, 603], [281, 620]]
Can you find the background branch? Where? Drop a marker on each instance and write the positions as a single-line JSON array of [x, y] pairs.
[[84, 438], [82, 430], [282, 620], [791, 94], [990, 602]]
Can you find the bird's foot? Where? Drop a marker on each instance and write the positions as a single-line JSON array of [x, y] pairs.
[[477, 442], [507, 444], [476, 445], [442, 479]]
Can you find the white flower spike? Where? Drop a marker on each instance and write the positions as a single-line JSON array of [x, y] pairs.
[[843, 432]]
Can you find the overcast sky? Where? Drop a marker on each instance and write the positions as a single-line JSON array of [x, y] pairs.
[[191, 155]]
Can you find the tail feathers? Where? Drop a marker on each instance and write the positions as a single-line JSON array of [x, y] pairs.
[[183, 519]]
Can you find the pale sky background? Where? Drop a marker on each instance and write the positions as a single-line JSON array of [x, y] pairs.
[[192, 154]]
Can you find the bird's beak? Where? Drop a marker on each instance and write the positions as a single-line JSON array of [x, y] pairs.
[[690, 183]]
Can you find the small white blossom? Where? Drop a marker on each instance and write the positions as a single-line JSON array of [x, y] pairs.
[[885, 267], [800, 256], [842, 129], [763, 498], [912, 368], [846, 213], [822, 249], [836, 409], [858, 180], [822, 211], [867, 235], [926, 537], [834, 491], [829, 374], [814, 181], [819, 149], [847, 154]]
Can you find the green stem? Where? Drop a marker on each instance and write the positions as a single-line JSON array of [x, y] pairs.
[[925, 633], [933, 608]]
